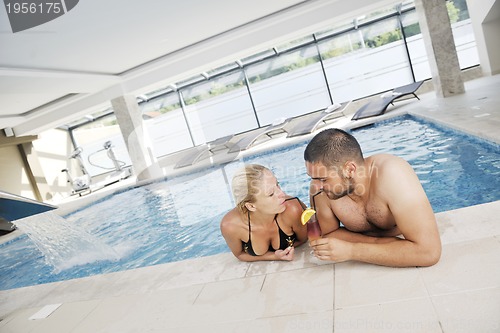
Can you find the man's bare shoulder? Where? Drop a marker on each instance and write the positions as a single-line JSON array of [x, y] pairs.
[[381, 159], [395, 181], [385, 165], [390, 174]]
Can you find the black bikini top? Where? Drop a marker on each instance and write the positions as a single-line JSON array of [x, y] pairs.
[[285, 240]]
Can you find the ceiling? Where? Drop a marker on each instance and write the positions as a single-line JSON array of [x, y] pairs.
[[75, 64]]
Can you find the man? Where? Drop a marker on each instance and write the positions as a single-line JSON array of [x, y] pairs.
[[375, 199]]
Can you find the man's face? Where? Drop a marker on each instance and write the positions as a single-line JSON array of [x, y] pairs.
[[329, 180]]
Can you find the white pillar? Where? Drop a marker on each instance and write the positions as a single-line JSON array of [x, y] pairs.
[[440, 46], [136, 138]]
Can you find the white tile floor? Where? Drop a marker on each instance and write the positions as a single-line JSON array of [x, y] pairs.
[[219, 294]]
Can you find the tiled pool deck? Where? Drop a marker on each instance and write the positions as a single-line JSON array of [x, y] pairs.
[[461, 293]]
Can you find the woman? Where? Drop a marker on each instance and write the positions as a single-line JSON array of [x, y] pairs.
[[265, 224]]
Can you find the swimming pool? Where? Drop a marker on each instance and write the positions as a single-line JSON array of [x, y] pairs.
[[179, 218]]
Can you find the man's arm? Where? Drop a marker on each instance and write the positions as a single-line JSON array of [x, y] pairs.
[[330, 225], [414, 217]]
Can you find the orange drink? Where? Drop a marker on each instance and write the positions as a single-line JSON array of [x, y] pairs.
[[313, 229], [309, 218]]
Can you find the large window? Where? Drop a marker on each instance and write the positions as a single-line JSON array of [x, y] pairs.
[[465, 43], [218, 107], [462, 33], [415, 45], [366, 61], [166, 124], [288, 85], [92, 137], [351, 60]]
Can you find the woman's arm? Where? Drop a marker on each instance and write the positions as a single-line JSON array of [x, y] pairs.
[[286, 255]]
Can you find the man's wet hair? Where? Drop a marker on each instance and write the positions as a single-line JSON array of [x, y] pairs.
[[332, 148]]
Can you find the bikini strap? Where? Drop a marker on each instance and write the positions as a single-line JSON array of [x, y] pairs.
[[275, 218], [300, 202], [249, 227]]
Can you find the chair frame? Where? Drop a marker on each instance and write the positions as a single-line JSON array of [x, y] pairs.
[[312, 123], [250, 138], [379, 106]]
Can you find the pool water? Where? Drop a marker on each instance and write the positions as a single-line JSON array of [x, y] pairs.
[[456, 170], [179, 218]]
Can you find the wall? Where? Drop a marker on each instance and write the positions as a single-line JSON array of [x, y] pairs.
[[485, 17], [13, 176], [53, 148]]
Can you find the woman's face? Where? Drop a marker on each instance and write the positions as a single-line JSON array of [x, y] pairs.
[[270, 198]]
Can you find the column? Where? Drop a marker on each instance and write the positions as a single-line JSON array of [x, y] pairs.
[[440, 46], [136, 138], [34, 172]]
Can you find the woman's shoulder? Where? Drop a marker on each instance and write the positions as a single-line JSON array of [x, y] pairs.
[[294, 201], [294, 206], [230, 220]]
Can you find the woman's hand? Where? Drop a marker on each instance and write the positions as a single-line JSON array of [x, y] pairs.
[[286, 254]]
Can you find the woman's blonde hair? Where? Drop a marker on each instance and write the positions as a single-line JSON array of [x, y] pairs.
[[246, 184]]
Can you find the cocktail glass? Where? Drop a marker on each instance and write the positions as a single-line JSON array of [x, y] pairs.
[[313, 228], [313, 231]]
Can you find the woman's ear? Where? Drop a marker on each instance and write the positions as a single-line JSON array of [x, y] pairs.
[[250, 206]]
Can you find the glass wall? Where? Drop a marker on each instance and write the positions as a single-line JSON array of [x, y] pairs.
[[462, 34], [361, 57], [166, 124], [465, 43], [288, 85], [218, 107], [415, 45], [92, 139], [366, 61]]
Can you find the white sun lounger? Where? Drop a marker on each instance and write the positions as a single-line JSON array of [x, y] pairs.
[[203, 151], [250, 138], [311, 123], [379, 106]]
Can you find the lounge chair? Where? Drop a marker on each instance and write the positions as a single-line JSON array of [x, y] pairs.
[[203, 151], [249, 139], [379, 106], [311, 123]]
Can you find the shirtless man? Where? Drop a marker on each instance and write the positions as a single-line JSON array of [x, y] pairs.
[[375, 199]]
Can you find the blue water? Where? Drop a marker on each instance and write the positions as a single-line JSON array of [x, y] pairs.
[[179, 218], [456, 170]]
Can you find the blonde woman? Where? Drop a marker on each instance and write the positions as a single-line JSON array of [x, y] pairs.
[[265, 224]]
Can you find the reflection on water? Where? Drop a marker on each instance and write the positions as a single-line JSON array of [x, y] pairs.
[[179, 218], [209, 194], [455, 170]]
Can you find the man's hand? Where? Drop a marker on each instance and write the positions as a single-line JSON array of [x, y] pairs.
[[286, 254], [332, 249]]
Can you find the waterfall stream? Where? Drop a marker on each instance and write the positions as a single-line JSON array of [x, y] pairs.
[[64, 244]]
